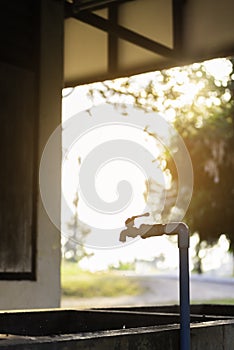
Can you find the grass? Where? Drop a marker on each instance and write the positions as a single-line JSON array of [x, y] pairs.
[[84, 284], [214, 301]]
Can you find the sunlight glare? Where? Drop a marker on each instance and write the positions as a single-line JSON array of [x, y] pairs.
[[220, 68]]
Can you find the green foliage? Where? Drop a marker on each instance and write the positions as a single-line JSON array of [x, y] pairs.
[[85, 284], [123, 266], [211, 151]]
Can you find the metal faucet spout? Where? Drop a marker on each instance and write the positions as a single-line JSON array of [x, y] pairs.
[[172, 228]]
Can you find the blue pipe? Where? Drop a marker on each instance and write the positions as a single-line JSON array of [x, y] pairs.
[[183, 244], [181, 229], [184, 300]]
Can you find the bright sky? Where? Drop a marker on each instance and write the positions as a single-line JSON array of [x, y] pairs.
[[111, 173], [107, 179]]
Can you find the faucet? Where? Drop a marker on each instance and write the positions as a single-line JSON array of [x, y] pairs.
[[182, 230], [146, 230]]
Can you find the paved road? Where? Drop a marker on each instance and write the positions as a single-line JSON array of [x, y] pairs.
[[163, 289]]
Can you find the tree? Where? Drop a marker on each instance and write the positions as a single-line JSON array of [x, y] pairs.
[[210, 143], [200, 105], [73, 247]]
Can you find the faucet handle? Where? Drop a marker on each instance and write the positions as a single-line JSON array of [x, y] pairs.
[[129, 220]]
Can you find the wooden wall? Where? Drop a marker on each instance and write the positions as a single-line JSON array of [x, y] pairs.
[[19, 62]]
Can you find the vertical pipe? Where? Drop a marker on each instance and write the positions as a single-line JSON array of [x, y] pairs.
[[182, 230], [184, 300]]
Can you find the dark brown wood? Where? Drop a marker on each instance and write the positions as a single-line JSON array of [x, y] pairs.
[[124, 33], [17, 32], [17, 120], [113, 41], [19, 72]]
